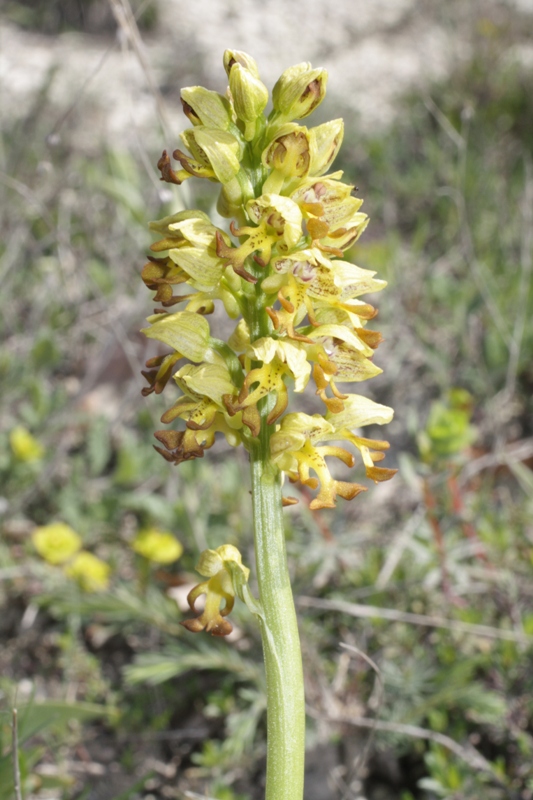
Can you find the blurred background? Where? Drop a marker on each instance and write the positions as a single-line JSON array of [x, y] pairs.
[[416, 599]]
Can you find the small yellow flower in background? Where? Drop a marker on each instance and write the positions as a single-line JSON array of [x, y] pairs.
[[56, 543], [158, 546], [90, 572], [24, 446]]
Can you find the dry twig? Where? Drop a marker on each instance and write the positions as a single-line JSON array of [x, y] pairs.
[[15, 754], [370, 612], [468, 754]]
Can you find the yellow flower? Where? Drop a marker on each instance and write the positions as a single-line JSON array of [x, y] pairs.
[[56, 543], [359, 411], [289, 157], [299, 90], [24, 446], [157, 546], [90, 572], [220, 566], [294, 448], [279, 224]]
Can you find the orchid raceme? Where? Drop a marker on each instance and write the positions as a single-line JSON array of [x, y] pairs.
[[280, 271], [291, 226]]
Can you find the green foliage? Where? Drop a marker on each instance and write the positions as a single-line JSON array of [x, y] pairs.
[[50, 718], [448, 431], [454, 261]]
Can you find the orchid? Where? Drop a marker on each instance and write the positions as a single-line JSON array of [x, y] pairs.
[[281, 271]]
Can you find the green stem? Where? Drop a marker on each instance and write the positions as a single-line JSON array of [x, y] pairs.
[[281, 642]]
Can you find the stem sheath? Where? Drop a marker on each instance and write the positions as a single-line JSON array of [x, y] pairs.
[[281, 641]]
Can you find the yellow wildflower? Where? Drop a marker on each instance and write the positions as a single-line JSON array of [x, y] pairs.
[[158, 546], [56, 543], [90, 572], [24, 446]]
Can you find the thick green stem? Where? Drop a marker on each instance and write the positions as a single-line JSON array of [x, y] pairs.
[[281, 642]]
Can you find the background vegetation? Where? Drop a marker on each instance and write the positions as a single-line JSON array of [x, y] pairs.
[[416, 601]]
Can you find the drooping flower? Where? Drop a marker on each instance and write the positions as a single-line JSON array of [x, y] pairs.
[[360, 411], [219, 567], [203, 407], [298, 450]]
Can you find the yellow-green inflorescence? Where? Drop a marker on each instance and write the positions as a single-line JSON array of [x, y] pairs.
[[291, 222]]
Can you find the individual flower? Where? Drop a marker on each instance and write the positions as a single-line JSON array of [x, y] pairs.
[[25, 447], [359, 411], [299, 90], [296, 451], [297, 448], [56, 543], [277, 225], [203, 408], [91, 573], [189, 336], [250, 97], [219, 566], [204, 107], [161, 547], [288, 155], [190, 242], [280, 358]]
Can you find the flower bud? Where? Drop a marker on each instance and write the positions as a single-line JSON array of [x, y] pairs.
[[232, 57], [206, 380], [250, 97], [204, 107], [186, 332], [325, 141], [289, 155], [221, 149], [299, 91]]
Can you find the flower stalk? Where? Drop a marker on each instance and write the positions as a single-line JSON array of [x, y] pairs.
[[279, 627], [282, 270]]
